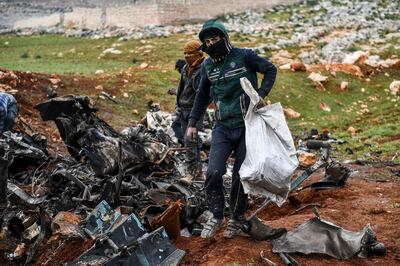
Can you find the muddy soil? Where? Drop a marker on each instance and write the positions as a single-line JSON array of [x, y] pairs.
[[358, 203], [31, 89]]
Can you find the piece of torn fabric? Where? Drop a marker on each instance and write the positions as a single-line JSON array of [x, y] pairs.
[[323, 237]]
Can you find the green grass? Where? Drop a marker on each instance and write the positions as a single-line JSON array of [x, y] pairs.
[[59, 55], [379, 127], [377, 131], [55, 54]]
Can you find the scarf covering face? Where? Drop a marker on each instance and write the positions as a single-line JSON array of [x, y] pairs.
[[193, 55], [219, 50]]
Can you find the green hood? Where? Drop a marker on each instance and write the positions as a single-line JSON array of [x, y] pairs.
[[213, 24]]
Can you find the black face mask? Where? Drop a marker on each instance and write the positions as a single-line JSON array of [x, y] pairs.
[[218, 50]]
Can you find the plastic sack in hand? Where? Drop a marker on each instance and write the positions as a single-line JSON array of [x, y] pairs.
[[270, 153]]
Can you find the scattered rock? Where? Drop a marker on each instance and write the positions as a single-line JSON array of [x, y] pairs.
[[316, 77], [285, 67], [111, 50], [99, 72], [5, 88], [355, 58], [290, 113], [143, 65], [344, 85], [338, 102], [394, 87], [306, 159], [55, 81], [298, 66], [373, 61], [282, 57], [325, 107], [351, 131], [396, 64], [345, 68]]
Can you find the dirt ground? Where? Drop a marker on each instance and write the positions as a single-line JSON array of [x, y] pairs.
[[31, 89], [370, 196], [358, 203]]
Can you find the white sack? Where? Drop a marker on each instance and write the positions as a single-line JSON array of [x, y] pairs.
[[270, 153]]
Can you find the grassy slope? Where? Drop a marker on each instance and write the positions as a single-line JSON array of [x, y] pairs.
[[377, 130]]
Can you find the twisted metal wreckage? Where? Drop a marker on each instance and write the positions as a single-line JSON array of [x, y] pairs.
[[127, 186]]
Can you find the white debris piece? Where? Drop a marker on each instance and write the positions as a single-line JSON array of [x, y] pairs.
[[111, 50], [344, 85], [316, 77], [285, 67], [143, 65], [355, 57]]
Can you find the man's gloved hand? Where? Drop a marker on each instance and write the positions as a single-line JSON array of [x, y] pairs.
[[191, 133], [262, 95], [260, 104]]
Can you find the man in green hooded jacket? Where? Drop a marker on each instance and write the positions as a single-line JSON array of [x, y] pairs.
[[220, 81]]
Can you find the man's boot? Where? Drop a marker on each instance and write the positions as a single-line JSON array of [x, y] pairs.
[[211, 227], [233, 228]]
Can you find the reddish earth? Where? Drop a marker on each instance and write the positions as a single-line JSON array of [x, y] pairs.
[[345, 68], [30, 89], [360, 202]]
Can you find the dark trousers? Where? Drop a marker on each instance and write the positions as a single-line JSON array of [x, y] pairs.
[[225, 141], [12, 111], [193, 152], [177, 128], [4, 162]]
